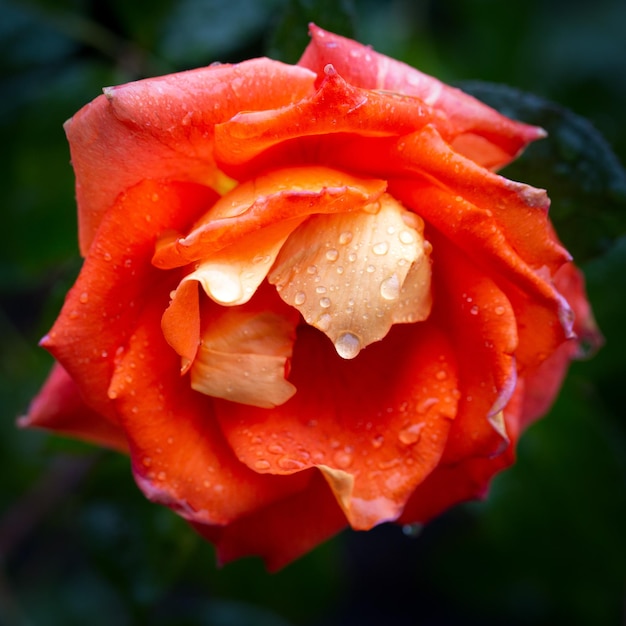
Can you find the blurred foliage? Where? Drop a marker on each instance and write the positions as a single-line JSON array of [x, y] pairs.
[[78, 544]]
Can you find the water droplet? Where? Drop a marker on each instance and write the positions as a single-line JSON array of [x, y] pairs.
[[332, 254], [352, 257], [370, 269], [287, 463], [84, 297], [377, 442], [320, 289], [262, 464], [410, 435], [107, 256], [425, 404], [441, 375], [345, 237], [380, 248], [499, 310], [275, 448], [325, 302], [406, 237], [474, 310], [347, 345], [299, 298], [312, 269], [104, 354], [161, 476], [340, 269], [390, 230], [323, 323], [343, 459], [261, 258], [390, 288], [147, 461]]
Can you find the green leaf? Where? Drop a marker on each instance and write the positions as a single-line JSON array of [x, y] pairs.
[[584, 178]]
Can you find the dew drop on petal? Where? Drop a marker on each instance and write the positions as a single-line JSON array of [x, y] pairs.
[[323, 323], [343, 459], [347, 345], [390, 288], [332, 254], [262, 464], [410, 435], [380, 248], [299, 298], [406, 237], [345, 237]]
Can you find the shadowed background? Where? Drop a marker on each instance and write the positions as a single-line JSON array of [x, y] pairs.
[[79, 544]]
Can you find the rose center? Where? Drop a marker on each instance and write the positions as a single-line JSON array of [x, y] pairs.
[[351, 274]]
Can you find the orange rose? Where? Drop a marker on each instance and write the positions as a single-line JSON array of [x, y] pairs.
[[307, 301]]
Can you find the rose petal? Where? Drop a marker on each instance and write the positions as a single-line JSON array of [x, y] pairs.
[[482, 134], [283, 195], [479, 319], [451, 484], [544, 317], [382, 418], [542, 384], [283, 531], [58, 406], [101, 309], [354, 275], [179, 455], [519, 210], [164, 127], [337, 107], [245, 354]]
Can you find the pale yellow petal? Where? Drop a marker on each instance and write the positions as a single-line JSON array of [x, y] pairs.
[[244, 357], [232, 276], [353, 275]]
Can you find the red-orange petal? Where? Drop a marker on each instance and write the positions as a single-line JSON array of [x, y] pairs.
[[479, 320], [543, 383], [163, 128], [282, 531], [458, 482], [481, 133], [375, 426], [544, 317], [180, 457], [59, 407], [101, 309], [337, 107], [278, 200]]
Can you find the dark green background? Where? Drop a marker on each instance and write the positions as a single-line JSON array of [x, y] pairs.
[[80, 545]]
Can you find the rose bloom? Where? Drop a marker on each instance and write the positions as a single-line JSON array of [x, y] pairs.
[[307, 300]]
